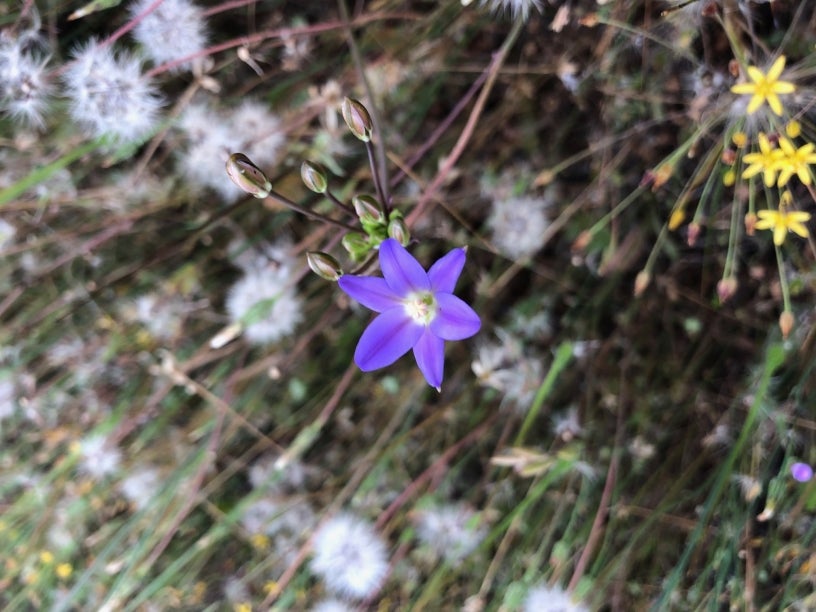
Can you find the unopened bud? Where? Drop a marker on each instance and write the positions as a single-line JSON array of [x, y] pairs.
[[324, 265], [642, 281], [398, 230], [750, 223], [580, 244], [357, 118], [247, 176], [356, 245], [786, 323], [726, 289], [368, 209], [677, 217], [693, 233], [314, 176]]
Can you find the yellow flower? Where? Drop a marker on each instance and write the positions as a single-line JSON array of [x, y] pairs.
[[64, 570], [781, 221], [795, 161], [766, 160], [765, 87]]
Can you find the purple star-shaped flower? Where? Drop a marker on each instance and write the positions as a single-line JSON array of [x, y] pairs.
[[417, 311]]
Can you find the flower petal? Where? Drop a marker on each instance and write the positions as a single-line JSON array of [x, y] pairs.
[[402, 272], [371, 291], [445, 272], [429, 352], [387, 338], [775, 71], [455, 320]]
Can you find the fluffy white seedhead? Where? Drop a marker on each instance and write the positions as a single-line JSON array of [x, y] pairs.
[[516, 8], [212, 136], [550, 599], [518, 225], [8, 398], [141, 486], [109, 95], [98, 458], [256, 132], [266, 303], [452, 531], [349, 556], [24, 86], [7, 233], [173, 30]]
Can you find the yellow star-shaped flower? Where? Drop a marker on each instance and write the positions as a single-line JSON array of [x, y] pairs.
[[781, 221], [766, 160], [795, 161], [765, 87]]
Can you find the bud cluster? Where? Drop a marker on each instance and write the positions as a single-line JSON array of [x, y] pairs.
[[373, 220]]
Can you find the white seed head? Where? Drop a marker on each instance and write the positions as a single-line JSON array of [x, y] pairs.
[[109, 95], [173, 30], [349, 556], [550, 599], [518, 225]]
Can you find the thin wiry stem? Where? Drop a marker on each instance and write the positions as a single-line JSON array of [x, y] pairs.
[[492, 72]]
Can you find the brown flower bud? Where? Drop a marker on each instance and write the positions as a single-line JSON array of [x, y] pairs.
[[247, 176], [324, 265], [314, 176], [786, 323], [368, 209], [726, 289], [642, 281], [357, 118]]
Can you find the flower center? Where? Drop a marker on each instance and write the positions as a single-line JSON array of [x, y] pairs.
[[421, 307]]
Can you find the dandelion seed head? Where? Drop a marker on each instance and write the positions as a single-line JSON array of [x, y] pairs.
[[271, 516], [209, 144], [98, 458], [109, 95], [7, 234], [349, 556], [141, 486], [451, 531], [256, 132], [516, 8], [331, 605], [24, 85], [270, 301], [8, 398], [174, 29], [550, 599], [518, 225]]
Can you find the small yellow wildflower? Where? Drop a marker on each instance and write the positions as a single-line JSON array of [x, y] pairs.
[[765, 87], [740, 139], [781, 221], [729, 178], [795, 161], [242, 607], [793, 128], [64, 570], [766, 160], [46, 557], [260, 541]]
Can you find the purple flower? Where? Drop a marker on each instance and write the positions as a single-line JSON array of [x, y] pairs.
[[801, 472], [417, 311]]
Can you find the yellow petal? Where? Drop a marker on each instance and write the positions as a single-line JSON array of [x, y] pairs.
[[798, 229], [754, 104], [743, 88], [755, 74], [776, 68], [779, 234], [775, 104], [783, 87]]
